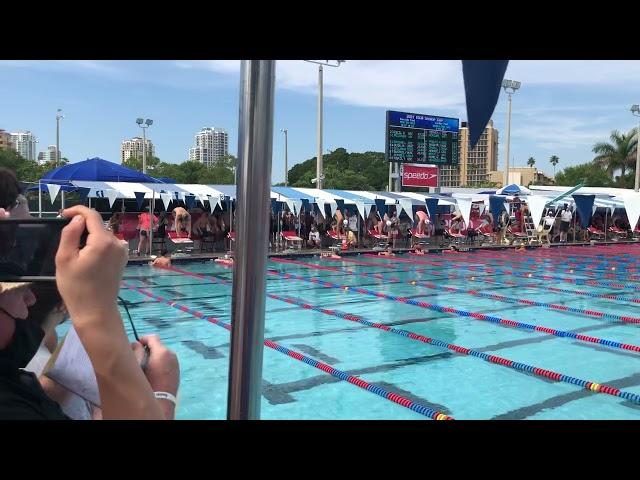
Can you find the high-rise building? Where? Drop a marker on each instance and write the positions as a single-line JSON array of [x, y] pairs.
[[133, 148], [5, 140], [474, 165], [49, 155], [25, 144], [212, 145]]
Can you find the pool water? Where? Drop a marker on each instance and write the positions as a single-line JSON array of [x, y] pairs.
[[440, 379]]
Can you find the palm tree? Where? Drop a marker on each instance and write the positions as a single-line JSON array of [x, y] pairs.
[[554, 161], [619, 154], [531, 162]]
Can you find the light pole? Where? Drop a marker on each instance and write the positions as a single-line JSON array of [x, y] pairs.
[[320, 63], [144, 124], [510, 87], [286, 170], [635, 110], [58, 118]]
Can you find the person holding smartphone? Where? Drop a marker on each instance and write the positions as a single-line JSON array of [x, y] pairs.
[[89, 286]]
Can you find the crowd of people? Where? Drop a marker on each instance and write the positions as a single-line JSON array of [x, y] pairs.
[[87, 282]]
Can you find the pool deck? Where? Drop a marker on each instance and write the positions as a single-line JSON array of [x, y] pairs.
[[308, 252]]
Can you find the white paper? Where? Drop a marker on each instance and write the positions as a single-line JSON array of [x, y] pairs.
[[73, 370]]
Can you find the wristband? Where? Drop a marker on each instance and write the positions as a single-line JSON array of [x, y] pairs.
[[166, 396]]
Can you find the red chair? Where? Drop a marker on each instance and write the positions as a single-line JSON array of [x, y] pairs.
[[418, 237], [291, 236], [381, 238], [617, 232], [595, 232]]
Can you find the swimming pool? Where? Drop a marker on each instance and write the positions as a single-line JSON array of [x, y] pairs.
[[540, 334]]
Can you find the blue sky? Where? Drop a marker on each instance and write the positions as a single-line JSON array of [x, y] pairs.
[[563, 107]]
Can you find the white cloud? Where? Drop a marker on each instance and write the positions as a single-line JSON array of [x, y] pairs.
[[369, 83], [575, 72]]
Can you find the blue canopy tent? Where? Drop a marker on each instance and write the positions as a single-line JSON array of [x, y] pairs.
[[92, 169], [96, 169]]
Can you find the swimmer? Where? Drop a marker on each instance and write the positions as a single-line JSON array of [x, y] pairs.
[[388, 252], [329, 255], [227, 261], [161, 261], [182, 223], [418, 250]]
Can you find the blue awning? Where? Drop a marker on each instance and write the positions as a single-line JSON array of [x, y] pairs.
[[293, 194], [351, 196]]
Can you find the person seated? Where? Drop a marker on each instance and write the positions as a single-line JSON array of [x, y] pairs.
[[486, 220], [114, 223], [457, 224], [201, 227], [352, 241], [182, 222], [314, 237]]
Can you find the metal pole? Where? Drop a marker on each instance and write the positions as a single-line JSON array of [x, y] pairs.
[[39, 199], [144, 151], [57, 140], [506, 158], [286, 158], [153, 208], [637, 185], [319, 160], [255, 138], [62, 199], [390, 185]]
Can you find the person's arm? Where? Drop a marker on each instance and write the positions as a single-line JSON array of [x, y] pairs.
[[88, 280]]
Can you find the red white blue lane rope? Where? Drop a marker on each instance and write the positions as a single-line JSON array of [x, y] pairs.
[[484, 278], [612, 272], [533, 303], [592, 261], [573, 281], [395, 398], [521, 367], [465, 313], [468, 263], [500, 298]]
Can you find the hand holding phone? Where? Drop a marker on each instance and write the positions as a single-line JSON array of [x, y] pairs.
[[89, 278]]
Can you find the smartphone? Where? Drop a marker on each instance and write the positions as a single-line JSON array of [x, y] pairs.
[[28, 248]]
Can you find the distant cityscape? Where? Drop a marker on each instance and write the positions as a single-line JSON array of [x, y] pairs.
[[211, 144]]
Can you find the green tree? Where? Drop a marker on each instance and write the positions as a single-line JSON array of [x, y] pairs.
[[591, 174], [554, 160], [344, 170], [135, 163], [619, 154], [531, 162]]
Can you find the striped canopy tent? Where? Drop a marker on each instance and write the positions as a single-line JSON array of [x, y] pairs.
[[294, 198], [363, 204]]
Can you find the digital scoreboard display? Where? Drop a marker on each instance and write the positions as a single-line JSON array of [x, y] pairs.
[[418, 138]]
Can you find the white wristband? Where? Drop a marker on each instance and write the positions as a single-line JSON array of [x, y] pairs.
[[166, 396]]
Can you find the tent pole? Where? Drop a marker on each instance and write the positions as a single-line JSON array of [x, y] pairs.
[[153, 208]]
